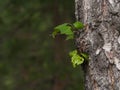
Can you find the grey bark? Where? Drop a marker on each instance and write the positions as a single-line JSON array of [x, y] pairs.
[[101, 40]]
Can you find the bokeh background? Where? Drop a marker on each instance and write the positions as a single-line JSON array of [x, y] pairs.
[[30, 59]]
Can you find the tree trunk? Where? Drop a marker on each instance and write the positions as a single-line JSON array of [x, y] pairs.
[[101, 40]]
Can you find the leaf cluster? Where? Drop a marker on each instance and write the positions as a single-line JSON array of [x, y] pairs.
[[77, 59], [67, 29]]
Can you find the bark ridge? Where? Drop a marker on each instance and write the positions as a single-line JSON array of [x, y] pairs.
[[101, 40]]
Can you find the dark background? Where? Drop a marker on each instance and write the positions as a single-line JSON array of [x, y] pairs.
[[30, 59]]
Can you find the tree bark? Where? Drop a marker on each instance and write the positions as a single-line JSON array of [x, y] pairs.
[[101, 40]]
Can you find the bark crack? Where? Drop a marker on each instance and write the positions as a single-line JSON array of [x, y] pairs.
[[101, 40]]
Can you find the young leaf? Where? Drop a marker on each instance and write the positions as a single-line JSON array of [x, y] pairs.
[[66, 30], [78, 25], [74, 52], [55, 33], [75, 58], [70, 36], [57, 29], [63, 29]]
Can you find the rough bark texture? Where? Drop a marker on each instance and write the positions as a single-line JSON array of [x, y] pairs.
[[101, 40]]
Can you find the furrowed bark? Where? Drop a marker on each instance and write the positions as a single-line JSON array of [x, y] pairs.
[[101, 40]]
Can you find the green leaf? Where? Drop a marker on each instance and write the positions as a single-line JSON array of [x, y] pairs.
[[63, 29], [74, 52], [71, 36], [61, 26], [66, 30], [76, 59], [78, 25], [55, 33]]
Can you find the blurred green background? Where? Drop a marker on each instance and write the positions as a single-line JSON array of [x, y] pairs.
[[30, 59]]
